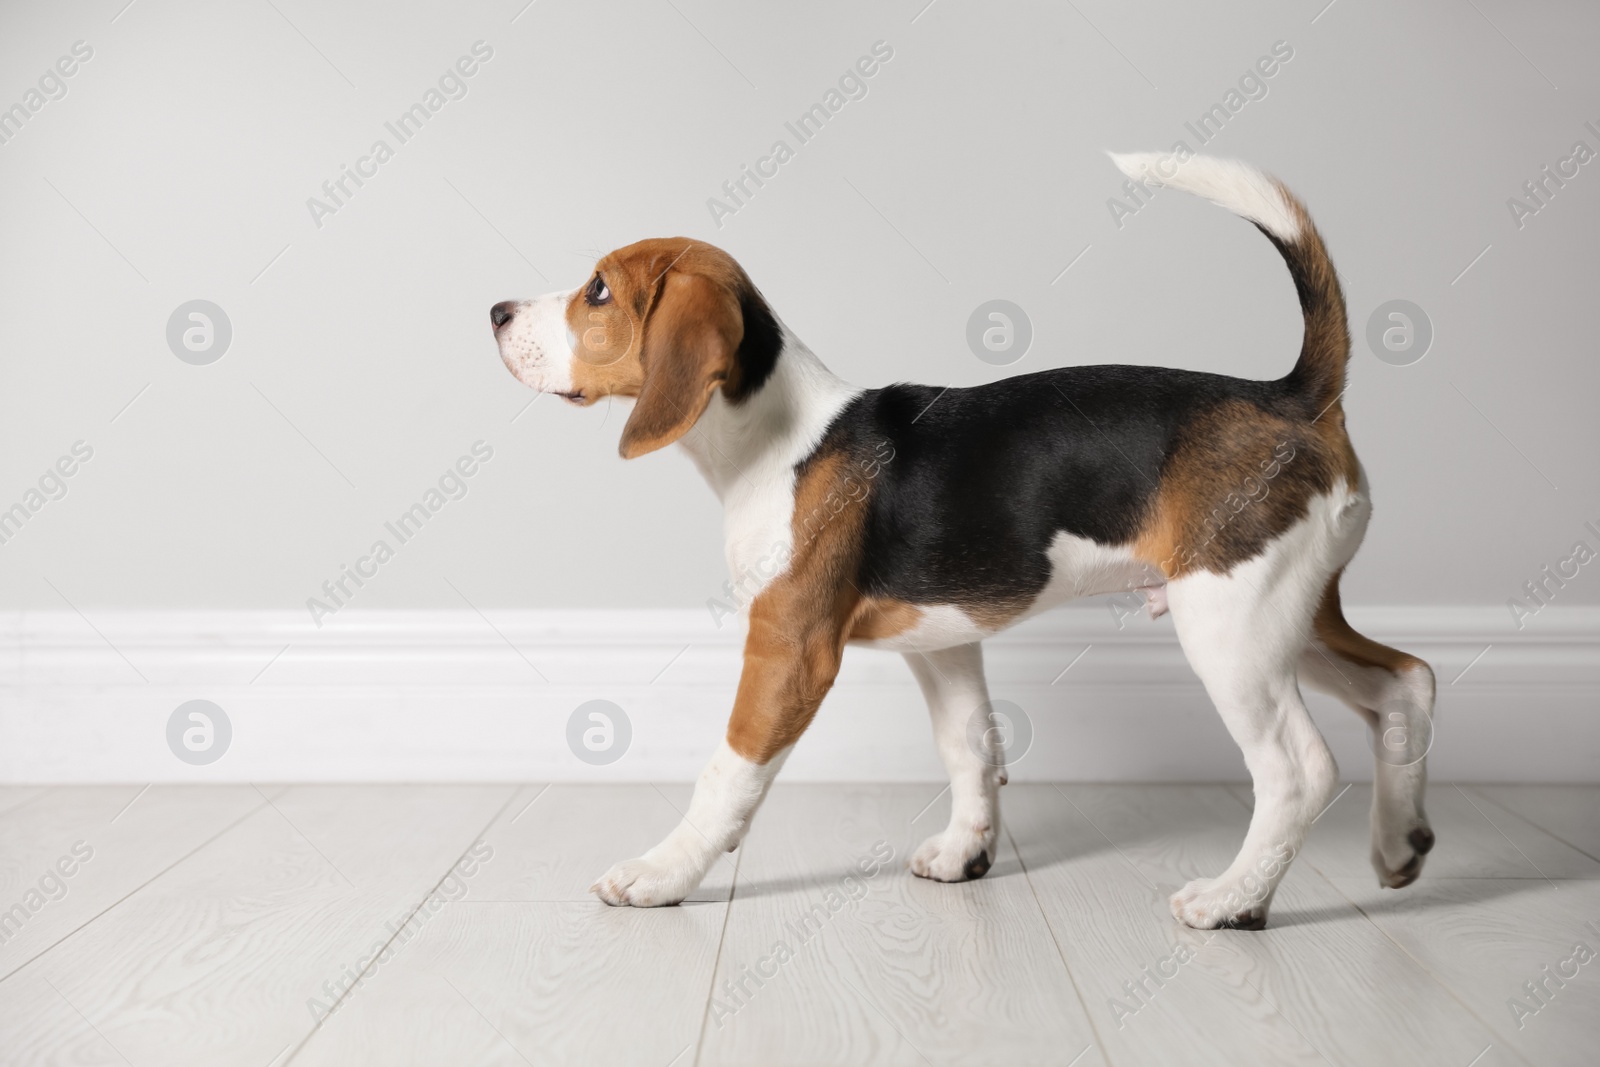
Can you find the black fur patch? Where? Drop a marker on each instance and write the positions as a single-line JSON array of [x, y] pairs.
[[977, 866], [982, 479], [763, 339]]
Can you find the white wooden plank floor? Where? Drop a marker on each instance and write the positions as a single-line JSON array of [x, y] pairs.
[[450, 925]]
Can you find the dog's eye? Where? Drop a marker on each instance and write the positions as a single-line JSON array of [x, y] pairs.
[[598, 292]]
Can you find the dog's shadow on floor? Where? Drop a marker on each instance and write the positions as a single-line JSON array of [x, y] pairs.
[[1042, 840], [848, 880], [812, 890]]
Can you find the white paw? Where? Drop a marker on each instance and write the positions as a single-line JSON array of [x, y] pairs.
[[956, 855], [645, 883], [1215, 904]]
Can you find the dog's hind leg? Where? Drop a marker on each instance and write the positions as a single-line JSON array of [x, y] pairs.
[[1394, 693], [1243, 632], [952, 681]]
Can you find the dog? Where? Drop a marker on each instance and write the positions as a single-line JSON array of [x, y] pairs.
[[923, 520]]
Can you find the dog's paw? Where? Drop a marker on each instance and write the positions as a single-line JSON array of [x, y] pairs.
[[644, 883], [955, 855], [1400, 863], [1212, 904]]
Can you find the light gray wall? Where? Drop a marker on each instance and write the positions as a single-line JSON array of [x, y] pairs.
[[179, 163]]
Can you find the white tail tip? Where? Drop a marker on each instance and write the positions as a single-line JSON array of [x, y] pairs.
[[1239, 187]]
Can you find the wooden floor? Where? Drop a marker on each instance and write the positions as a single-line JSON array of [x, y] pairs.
[[219, 926]]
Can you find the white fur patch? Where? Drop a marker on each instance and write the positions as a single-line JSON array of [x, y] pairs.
[[537, 345], [725, 800], [1239, 187], [748, 452], [1079, 567], [941, 626]]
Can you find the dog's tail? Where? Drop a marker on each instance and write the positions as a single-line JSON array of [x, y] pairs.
[[1318, 375]]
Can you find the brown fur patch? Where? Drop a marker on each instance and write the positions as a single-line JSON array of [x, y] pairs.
[[880, 619], [1238, 477], [1332, 629], [995, 615], [1319, 373], [690, 343], [799, 623]]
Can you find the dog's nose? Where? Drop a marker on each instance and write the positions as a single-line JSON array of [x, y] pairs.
[[501, 313]]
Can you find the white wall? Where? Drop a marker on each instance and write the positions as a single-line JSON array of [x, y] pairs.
[[194, 136], [179, 164]]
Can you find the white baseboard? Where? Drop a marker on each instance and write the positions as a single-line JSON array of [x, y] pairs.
[[455, 696]]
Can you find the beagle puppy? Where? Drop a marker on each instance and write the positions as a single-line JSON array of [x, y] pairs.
[[923, 520]]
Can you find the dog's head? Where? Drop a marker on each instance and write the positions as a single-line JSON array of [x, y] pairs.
[[669, 321]]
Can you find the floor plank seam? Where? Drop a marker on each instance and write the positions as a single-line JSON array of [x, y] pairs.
[[1532, 822], [1506, 836], [716, 962], [1105, 1054], [1096, 828], [1425, 969], [356, 984], [97, 916], [1250, 808]]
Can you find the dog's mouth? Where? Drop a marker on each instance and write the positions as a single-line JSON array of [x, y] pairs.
[[574, 398]]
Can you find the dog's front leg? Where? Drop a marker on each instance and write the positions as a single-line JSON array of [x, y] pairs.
[[790, 659], [725, 799]]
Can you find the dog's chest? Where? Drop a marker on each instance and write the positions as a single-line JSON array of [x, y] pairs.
[[758, 529]]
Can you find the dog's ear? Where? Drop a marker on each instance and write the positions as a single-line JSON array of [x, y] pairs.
[[691, 341]]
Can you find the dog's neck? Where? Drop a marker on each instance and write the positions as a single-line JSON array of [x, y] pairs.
[[738, 445]]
